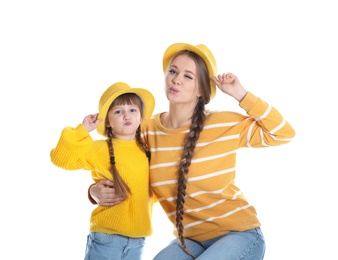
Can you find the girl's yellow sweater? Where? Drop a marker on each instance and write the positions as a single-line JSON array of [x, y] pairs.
[[214, 205], [77, 150]]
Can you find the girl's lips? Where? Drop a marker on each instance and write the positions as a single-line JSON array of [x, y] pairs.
[[127, 123]]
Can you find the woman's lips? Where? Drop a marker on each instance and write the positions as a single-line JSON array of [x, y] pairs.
[[173, 90]]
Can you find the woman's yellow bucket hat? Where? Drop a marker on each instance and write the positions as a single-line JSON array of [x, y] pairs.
[[201, 50]]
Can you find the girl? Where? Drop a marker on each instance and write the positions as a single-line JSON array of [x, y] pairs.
[[115, 232]]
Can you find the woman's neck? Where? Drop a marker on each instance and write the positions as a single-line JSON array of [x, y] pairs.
[[177, 117]]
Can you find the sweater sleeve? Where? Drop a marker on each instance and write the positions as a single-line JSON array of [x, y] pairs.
[[71, 148], [265, 126]]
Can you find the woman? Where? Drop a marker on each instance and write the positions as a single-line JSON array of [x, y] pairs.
[[193, 159]]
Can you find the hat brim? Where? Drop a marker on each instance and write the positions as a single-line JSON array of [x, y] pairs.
[[206, 55], [148, 102]]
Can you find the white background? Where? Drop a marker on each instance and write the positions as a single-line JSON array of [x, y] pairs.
[[57, 58]]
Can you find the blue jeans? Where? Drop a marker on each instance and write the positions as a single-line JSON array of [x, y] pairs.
[[246, 245], [101, 246]]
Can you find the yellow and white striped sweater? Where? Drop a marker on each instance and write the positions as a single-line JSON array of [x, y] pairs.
[[77, 150], [214, 205]]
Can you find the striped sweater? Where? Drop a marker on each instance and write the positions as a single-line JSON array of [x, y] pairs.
[[214, 205], [77, 150]]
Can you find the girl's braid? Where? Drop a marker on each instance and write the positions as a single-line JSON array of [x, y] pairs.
[[121, 188], [145, 148], [141, 143]]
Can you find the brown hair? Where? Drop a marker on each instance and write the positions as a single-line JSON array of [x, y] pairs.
[[197, 124], [121, 188]]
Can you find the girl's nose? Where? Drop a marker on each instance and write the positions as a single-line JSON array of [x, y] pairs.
[[126, 116]]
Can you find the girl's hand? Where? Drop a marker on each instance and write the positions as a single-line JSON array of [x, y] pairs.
[[229, 84], [90, 122]]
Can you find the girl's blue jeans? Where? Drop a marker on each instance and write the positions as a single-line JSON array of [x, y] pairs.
[[246, 245], [101, 246]]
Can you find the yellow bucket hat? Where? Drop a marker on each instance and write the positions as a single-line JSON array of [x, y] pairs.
[[202, 51], [116, 90]]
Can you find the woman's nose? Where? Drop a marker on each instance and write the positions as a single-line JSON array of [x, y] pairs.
[[176, 81]]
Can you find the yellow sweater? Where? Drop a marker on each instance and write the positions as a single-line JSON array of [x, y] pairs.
[[214, 205], [76, 150]]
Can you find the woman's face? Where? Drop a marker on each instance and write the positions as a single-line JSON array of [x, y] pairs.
[[181, 81]]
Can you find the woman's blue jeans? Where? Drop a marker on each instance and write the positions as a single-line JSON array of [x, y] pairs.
[[101, 246], [246, 245]]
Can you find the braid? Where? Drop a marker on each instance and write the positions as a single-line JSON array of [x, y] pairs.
[[196, 127], [121, 188], [145, 148], [141, 143]]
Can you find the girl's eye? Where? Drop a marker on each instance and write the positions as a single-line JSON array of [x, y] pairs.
[[117, 112], [133, 110]]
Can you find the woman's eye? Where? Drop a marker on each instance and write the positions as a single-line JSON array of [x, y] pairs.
[[187, 76], [171, 71]]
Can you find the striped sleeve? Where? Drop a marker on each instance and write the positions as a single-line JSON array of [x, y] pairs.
[[265, 126]]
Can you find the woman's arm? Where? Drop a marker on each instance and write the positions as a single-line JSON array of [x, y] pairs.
[[103, 194]]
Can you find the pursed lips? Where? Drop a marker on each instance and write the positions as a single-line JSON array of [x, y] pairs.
[[173, 90]]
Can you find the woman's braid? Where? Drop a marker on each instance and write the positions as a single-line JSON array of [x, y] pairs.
[[188, 152]]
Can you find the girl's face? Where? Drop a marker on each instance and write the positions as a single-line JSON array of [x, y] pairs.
[[124, 121], [181, 81]]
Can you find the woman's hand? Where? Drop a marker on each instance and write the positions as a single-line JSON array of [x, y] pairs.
[[229, 84], [103, 193]]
